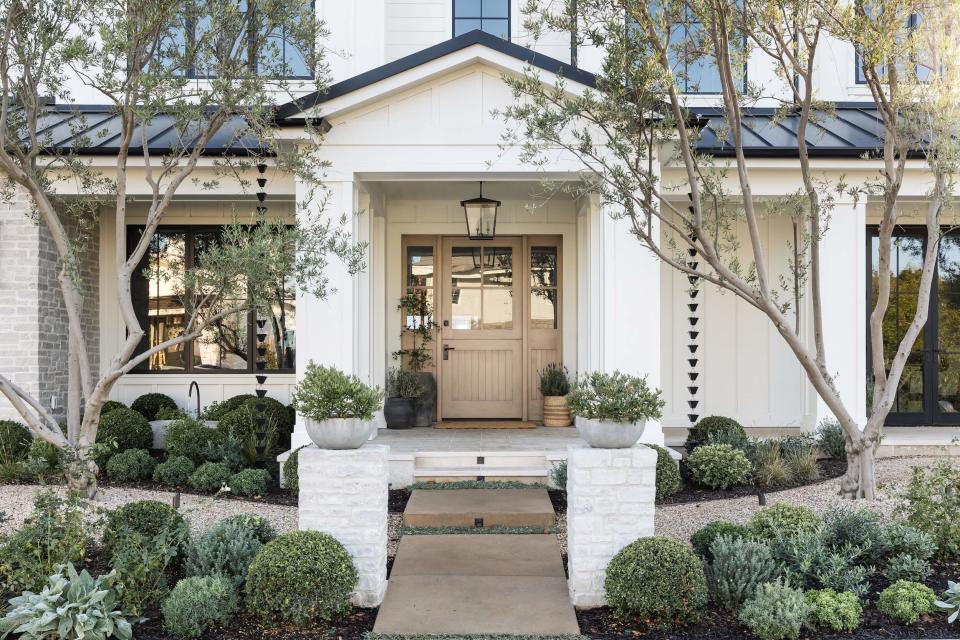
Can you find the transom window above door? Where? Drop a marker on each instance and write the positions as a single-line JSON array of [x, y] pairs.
[[492, 16]]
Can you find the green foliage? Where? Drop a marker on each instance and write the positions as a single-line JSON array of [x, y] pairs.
[[44, 456], [327, 392], [739, 566], [210, 477], [558, 475], [658, 580], [55, 534], [217, 410], [668, 473], [810, 560], [783, 519], [175, 472], [906, 601], [831, 439], [240, 426], [719, 466], [250, 482], [777, 611], [111, 405], [403, 384], [291, 471], [14, 441], [258, 525], [834, 611], [951, 601], [897, 539], [123, 429], [715, 427], [614, 397], [417, 306], [906, 567], [149, 405], [144, 518], [72, 606], [554, 380], [142, 562], [226, 550], [802, 465], [191, 439], [931, 503], [131, 465], [197, 604], [703, 539], [300, 577], [860, 528], [802, 443], [769, 467]]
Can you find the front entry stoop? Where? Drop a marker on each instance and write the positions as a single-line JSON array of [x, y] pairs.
[[479, 508], [477, 584]]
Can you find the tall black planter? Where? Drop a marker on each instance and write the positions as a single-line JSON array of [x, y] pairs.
[[423, 406], [398, 413]]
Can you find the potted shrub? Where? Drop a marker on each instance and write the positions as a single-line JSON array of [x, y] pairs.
[[419, 325], [338, 409], [403, 390], [554, 387], [611, 409]]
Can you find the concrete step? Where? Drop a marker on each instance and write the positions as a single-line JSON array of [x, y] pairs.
[[530, 475], [434, 459], [479, 507]]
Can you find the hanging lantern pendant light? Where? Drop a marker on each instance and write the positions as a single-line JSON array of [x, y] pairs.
[[480, 215]]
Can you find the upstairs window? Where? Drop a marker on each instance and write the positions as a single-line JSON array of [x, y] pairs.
[[492, 16], [924, 71]]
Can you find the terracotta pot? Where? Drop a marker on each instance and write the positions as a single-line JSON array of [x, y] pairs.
[[555, 412]]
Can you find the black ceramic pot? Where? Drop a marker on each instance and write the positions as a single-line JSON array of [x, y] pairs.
[[423, 406], [398, 413]]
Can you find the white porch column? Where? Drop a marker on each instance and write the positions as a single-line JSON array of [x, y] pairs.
[[843, 286], [620, 303]]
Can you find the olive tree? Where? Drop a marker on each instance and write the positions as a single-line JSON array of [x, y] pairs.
[[636, 118], [201, 68]]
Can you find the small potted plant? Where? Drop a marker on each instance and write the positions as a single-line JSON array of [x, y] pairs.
[[403, 389], [338, 409], [419, 326], [554, 387], [612, 409]]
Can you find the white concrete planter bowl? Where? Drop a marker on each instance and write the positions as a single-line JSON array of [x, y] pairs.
[[339, 433], [609, 435]]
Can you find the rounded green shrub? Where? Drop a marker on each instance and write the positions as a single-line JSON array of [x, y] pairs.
[[783, 519], [291, 471], [719, 466], [668, 473], [111, 405], [174, 472], [250, 482], [14, 441], [225, 550], [149, 405], [658, 580], [219, 409], [704, 537], [124, 429], [144, 517], [210, 477], [131, 465], [261, 528], [717, 429], [300, 577], [777, 611], [834, 611], [191, 439], [196, 604], [906, 601]]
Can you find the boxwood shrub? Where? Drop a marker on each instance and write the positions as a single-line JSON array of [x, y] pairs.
[[906, 601], [174, 472], [668, 473], [250, 482], [196, 604], [658, 580], [144, 517], [217, 410], [111, 405], [834, 611], [704, 537], [719, 466], [783, 519], [149, 405], [291, 471], [192, 439], [300, 577], [131, 465], [126, 429], [717, 429], [210, 477]]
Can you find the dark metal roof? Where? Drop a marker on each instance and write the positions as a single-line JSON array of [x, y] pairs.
[[851, 130], [433, 53]]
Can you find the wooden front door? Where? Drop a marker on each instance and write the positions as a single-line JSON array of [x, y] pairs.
[[481, 334]]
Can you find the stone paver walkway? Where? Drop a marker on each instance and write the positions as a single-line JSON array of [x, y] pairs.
[[479, 507], [477, 584]]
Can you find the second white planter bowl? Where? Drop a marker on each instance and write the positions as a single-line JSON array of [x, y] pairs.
[[609, 435], [340, 433]]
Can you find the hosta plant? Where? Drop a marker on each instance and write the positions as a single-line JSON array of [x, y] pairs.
[[73, 606], [951, 601]]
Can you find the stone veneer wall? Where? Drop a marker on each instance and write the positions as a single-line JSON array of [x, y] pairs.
[[33, 344]]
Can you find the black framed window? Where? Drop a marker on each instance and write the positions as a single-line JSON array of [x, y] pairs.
[[929, 390], [284, 54], [492, 16], [225, 347], [923, 71]]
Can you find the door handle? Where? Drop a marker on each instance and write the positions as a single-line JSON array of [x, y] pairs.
[[446, 351]]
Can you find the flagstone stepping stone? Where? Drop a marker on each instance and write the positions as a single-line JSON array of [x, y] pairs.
[[479, 508]]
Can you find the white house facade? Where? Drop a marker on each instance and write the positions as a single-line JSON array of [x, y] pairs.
[[412, 132]]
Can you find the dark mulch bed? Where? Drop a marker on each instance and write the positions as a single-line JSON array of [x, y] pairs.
[[274, 495], [398, 500], [352, 626], [559, 500], [601, 624]]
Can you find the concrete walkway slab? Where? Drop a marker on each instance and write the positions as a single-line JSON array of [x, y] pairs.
[[464, 507], [520, 605], [479, 555]]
